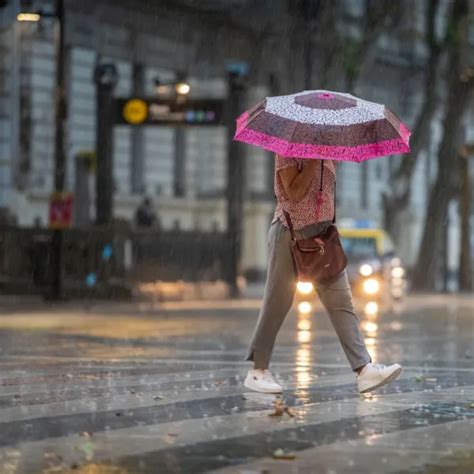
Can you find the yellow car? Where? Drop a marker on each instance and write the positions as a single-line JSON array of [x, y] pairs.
[[374, 270]]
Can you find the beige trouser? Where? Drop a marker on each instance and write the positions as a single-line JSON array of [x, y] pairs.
[[280, 286]]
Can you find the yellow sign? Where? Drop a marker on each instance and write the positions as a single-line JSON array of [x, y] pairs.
[[135, 111]]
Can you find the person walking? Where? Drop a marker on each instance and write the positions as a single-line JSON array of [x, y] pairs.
[[145, 215], [305, 189]]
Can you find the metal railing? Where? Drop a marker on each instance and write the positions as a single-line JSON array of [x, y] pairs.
[[94, 257]]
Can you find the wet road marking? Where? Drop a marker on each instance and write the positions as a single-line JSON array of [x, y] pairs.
[[30, 406], [204, 456], [401, 451], [56, 426], [242, 424]]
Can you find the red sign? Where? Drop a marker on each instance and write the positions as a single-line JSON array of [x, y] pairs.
[[60, 211]]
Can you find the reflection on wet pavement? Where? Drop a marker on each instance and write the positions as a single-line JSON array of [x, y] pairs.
[[161, 391]]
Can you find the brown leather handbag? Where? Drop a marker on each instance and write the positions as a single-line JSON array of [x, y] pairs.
[[321, 257]]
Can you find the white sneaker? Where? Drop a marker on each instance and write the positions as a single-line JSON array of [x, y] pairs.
[[262, 381], [375, 376]]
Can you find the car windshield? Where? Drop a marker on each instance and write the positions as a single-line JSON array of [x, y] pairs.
[[360, 246]]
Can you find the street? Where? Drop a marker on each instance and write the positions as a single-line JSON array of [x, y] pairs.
[[163, 162], [126, 388]]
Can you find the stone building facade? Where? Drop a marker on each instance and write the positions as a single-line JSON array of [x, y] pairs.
[[162, 39]]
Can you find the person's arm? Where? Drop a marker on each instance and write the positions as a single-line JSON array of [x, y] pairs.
[[296, 182]]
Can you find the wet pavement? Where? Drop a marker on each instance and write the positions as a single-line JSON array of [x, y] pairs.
[[128, 388]]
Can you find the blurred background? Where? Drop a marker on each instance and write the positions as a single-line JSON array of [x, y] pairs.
[[119, 177]]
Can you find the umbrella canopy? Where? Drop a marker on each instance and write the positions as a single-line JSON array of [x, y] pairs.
[[323, 124]]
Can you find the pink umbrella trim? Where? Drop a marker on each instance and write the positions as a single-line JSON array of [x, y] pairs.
[[404, 132], [338, 153]]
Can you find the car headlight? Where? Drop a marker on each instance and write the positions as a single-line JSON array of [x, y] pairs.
[[371, 286], [398, 272], [304, 287], [304, 307], [366, 270], [371, 308]]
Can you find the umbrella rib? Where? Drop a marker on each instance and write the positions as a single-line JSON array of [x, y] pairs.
[[255, 115], [292, 134]]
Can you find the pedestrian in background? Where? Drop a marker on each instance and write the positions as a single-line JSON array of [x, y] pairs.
[[145, 215], [298, 185]]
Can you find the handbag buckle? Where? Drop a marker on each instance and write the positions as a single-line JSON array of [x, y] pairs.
[[320, 242]]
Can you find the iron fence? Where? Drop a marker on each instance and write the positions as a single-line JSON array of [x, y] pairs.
[[98, 258]]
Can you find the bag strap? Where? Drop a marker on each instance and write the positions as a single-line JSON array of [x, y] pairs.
[[321, 181], [334, 217], [321, 190], [290, 225]]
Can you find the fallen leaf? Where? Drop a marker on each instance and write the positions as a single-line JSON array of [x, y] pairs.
[[281, 409], [281, 454]]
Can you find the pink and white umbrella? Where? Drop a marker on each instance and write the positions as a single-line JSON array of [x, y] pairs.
[[323, 124]]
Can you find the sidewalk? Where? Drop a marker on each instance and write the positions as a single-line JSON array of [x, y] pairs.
[[251, 299]]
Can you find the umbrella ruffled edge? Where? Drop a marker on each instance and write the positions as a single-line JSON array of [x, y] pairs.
[[339, 153]]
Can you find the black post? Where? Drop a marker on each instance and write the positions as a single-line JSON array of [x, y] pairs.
[[59, 153], [179, 170], [138, 149], [105, 77], [235, 180]]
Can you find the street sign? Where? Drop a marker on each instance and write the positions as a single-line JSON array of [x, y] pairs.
[[153, 111], [135, 111], [60, 210]]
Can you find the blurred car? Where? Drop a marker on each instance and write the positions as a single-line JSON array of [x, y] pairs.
[[374, 269], [375, 272]]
